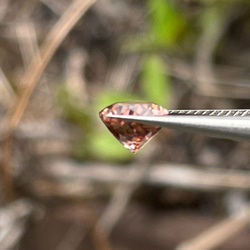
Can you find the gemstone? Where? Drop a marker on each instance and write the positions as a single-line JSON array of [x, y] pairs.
[[131, 135]]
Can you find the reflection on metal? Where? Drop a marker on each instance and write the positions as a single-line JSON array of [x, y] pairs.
[[231, 124]]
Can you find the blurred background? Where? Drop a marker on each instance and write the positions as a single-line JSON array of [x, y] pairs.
[[66, 183]]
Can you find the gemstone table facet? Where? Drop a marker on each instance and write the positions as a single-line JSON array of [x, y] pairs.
[[131, 135]]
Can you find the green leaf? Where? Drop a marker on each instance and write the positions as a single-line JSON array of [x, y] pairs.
[[156, 85], [72, 110], [166, 22], [102, 145]]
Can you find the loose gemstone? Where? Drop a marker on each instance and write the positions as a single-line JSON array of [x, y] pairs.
[[131, 135]]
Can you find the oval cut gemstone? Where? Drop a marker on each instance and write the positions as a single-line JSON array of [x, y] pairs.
[[131, 135]]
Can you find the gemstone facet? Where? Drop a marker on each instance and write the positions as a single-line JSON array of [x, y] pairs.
[[131, 135]]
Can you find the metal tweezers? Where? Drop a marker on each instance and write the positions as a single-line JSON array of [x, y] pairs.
[[231, 124]]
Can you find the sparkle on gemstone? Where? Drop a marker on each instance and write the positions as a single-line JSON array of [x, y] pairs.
[[131, 135]]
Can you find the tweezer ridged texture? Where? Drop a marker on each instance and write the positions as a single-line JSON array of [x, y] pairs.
[[217, 112]]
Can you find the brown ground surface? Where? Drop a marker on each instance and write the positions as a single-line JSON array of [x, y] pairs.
[[141, 228]]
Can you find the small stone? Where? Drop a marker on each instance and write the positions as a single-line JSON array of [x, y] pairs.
[[131, 135]]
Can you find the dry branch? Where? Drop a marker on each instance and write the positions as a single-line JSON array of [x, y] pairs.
[[206, 46], [31, 78], [84, 180], [12, 223], [50, 45], [3, 8], [120, 199], [7, 95], [27, 38], [75, 82]]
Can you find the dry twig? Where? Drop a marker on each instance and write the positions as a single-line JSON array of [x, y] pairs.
[[120, 200], [32, 76], [3, 8], [7, 95], [12, 223], [51, 43], [218, 234], [207, 44], [75, 81], [181, 176], [27, 39], [123, 192]]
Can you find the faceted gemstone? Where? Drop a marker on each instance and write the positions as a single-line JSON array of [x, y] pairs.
[[131, 135]]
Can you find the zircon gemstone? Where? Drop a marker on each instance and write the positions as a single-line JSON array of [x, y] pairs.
[[131, 135]]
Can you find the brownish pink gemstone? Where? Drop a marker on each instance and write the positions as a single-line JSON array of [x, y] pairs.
[[131, 135]]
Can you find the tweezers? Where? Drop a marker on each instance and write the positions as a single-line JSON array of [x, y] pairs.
[[233, 124]]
